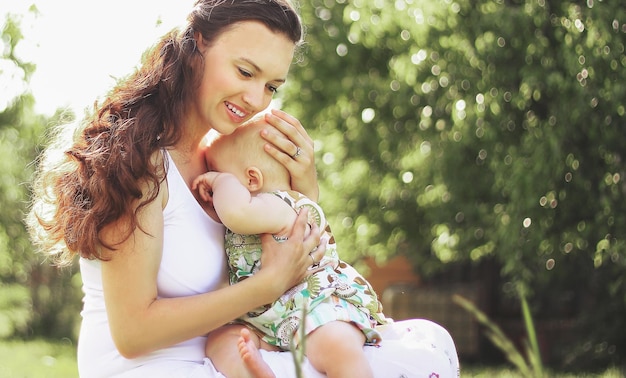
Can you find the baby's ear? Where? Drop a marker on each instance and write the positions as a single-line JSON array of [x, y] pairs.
[[255, 179]]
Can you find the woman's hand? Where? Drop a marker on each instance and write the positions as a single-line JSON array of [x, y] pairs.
[[288, 262], [293, 148]]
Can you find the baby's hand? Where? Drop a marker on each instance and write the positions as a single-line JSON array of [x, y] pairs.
[[204, 185]]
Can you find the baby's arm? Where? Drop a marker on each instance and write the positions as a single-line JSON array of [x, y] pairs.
[[241, 211]]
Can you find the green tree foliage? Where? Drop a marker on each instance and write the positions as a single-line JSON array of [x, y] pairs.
[[34, 297], [464, 131], [453, 132]]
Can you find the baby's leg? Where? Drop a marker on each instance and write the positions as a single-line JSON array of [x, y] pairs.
[[336, 349], [223, 349]]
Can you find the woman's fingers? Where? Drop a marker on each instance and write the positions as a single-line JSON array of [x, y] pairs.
[[316, 248], [291, 138], [319, 250], [297, 158], [292, 255], [313, 248], [290, 145], [301, 135]]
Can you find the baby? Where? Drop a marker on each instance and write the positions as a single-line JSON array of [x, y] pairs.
[[251, 194]]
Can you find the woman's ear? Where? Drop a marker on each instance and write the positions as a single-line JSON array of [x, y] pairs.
[[199, 41], [255, 179]]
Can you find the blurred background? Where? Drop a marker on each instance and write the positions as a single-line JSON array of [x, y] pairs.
[[471, 157]]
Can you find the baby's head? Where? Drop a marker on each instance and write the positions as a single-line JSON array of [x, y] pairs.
[[242, 153]]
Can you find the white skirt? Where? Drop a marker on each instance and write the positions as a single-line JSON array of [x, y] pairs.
[[410, 348]]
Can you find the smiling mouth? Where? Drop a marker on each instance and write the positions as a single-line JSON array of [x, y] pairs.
[[235, 111]]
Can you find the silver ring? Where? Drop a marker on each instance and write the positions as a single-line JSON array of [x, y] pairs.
[[315, 263], [280, 239], [298, 152]]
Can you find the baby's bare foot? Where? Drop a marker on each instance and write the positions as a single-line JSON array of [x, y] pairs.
[[252, 358]]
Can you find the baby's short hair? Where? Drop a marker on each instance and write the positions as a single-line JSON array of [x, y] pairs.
[[246, 143]]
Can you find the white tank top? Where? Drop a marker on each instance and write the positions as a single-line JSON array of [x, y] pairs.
[[193, 262]]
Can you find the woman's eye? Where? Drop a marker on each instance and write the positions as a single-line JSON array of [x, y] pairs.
[[244, 72], [272, 89]]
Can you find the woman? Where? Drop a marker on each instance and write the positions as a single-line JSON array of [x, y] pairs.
[[118, 196]]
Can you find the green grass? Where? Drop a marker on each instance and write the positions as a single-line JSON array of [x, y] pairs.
[[37, 359], [511, 372]]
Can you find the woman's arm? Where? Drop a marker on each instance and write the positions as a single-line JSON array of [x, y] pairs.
[[141, 322], [283, 147], [241, 211]]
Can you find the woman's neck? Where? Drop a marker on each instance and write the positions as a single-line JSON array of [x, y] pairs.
[[191, 141], [188, 155]]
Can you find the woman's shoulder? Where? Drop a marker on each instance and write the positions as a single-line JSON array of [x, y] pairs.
[[160, 161]]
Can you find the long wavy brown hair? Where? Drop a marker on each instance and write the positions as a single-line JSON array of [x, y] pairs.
[[91, 175]]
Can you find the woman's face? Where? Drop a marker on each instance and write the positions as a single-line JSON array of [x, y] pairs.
[[242, 70]]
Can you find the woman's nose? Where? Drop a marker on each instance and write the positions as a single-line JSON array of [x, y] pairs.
[[257, 98]]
